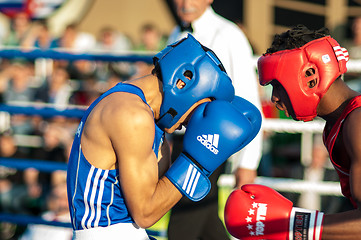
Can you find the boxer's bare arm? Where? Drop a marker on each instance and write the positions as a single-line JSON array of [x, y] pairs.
[[347, 225], [352, 141], [132, 136], [342, 226], [164, 158], [244, 176]]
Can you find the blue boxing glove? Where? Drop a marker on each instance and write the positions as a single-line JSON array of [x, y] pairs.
[[252, 113], [215, 131]]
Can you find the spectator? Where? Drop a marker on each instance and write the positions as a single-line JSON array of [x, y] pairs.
[[11, 180], [74, 39], [57, 210], [40, 36], [354, 45], [19, 194], [53, 147], [111, 41], [314, 173], [16, 83], [13, 193], [20, 27], [56, 89], [52, 150], [232, 47], [16, 86], [152, 40]]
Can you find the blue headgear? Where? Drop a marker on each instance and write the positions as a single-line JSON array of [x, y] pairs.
[[201, 71]]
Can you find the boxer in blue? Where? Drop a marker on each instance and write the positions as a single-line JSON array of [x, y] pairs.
[[119, 177]]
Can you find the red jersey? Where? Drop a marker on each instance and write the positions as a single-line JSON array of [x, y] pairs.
[[341, 161]]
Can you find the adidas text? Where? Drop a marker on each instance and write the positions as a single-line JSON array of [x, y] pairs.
[[207, 142]]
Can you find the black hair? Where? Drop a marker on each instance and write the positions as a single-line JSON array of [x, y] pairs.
[[156, 72], [295, 38]]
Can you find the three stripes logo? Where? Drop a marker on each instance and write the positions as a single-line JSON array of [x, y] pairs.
[[210, 141], [191, 180], [341, 53]]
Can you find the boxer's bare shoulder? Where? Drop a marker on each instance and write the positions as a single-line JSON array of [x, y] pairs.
[[111, 125]]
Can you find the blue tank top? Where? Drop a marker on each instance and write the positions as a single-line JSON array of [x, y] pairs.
[[95, 196]]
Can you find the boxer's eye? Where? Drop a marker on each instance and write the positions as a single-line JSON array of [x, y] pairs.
[[188, 74], [310, 72], [312, 83]]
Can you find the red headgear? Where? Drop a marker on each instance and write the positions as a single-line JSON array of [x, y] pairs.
[[290, 68]]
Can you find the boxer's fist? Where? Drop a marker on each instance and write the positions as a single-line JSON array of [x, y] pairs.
[[259, 212], [215, 131]]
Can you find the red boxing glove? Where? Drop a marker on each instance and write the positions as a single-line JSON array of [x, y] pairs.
[[259, 212]]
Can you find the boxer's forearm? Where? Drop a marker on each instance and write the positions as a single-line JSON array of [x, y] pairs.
[[342, 226]]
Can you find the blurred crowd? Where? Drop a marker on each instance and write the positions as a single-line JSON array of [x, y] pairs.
[[30, 191]]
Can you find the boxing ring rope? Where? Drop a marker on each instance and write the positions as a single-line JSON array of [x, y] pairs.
[[43, 110], [290, 126], [328, 188], [306, 129], [41, 165], [354, 66], [73, 55]]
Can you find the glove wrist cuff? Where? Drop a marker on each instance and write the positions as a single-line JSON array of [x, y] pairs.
[[190, 180], [305, 224]]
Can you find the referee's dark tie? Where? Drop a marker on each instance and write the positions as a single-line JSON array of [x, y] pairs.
[[186, 28]]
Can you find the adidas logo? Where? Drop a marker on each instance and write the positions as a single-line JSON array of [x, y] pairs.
[[210, 141], [78, 131]]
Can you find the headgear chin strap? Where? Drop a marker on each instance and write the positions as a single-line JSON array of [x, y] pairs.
[[320, 61], [201, 72]]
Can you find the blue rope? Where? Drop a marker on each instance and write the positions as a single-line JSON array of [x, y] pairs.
[[46, 112], [26, 219], [41, 165], [62, 55]]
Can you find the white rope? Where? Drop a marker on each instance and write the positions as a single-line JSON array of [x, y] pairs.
[[291, 126], [286, 126], [289, 185], [354, 65]]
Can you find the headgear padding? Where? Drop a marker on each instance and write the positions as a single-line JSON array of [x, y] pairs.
[[321, 60], [201, 71]]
